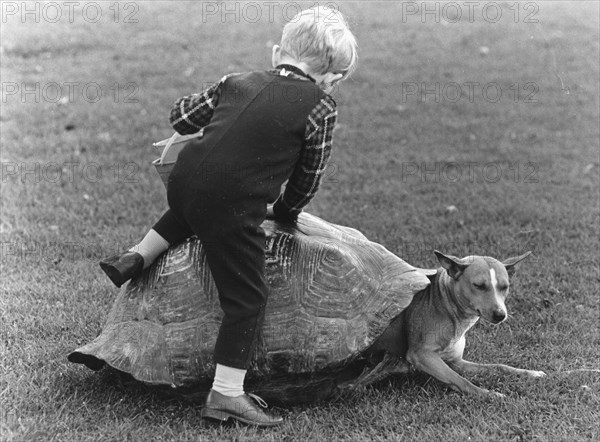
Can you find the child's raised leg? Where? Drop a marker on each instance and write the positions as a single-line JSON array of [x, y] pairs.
[[168, 230], [151, 247]]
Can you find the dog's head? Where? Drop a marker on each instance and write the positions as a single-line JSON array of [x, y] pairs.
[[480, 283]]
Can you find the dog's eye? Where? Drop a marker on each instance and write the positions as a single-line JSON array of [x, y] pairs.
[[479, 286], [503, 288]]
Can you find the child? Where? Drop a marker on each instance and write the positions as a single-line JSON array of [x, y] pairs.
[[260, 129]]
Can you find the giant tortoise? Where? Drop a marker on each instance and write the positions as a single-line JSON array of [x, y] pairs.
[[333, 293]]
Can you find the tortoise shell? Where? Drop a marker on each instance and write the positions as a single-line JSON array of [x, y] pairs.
[[333, 292]]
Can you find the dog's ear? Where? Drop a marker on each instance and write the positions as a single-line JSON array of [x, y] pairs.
[[510, 263], [452, 264]]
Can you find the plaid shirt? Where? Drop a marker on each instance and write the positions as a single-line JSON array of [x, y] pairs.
[[191, 113]]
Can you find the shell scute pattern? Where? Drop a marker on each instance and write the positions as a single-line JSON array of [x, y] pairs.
[[333, 293]]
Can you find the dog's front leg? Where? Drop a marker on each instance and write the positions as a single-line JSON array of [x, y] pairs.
[[473, 367], [431, 363]]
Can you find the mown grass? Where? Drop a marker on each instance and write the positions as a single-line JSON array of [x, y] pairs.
[[56, 226]]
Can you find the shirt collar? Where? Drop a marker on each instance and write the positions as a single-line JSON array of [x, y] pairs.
[[295, 70]]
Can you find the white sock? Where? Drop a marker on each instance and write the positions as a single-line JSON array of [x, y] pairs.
[[151, 246], [229, 381]]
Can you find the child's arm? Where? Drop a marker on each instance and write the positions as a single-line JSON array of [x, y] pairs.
[[191, 113], [306, 177]]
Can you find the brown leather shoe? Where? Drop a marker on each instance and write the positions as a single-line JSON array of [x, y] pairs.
[[245, 408], [121, 268]]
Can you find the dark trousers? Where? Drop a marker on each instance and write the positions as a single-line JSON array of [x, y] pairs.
[[220, 186], [235, 253]]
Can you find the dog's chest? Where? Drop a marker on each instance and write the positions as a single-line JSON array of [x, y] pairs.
[[452, 344]]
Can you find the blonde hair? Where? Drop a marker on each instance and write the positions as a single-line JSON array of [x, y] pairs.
[[320, 37]]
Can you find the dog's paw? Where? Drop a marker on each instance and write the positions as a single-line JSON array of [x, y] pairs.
[[490, 393]]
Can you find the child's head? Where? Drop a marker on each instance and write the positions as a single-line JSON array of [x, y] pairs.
[[320, 38]]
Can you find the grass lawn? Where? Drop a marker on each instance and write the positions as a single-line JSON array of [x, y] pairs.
[[428, 155]]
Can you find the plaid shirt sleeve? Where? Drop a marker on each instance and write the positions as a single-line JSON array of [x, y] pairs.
[[191, 113], [312, 163]]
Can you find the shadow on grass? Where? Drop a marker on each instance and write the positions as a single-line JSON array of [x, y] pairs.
[[110, 384]]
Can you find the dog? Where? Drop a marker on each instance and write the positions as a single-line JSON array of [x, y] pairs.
[[430, 334]]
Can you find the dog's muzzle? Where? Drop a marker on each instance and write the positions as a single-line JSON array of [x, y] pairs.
[[498, 316]]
